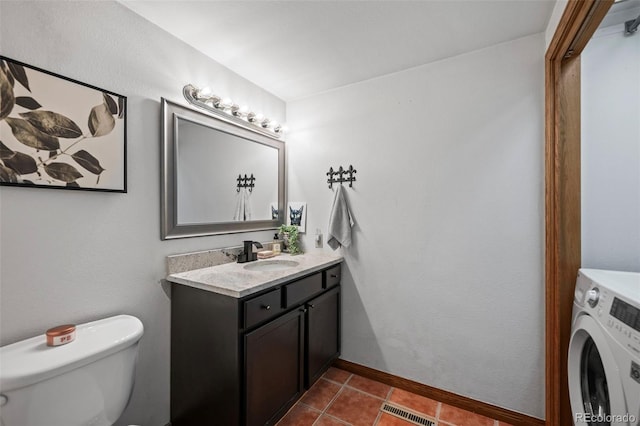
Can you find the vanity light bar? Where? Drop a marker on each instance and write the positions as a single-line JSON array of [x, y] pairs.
[[203, 98]]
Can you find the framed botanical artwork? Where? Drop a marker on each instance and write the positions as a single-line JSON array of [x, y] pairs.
[[56, 132], [297, 215]]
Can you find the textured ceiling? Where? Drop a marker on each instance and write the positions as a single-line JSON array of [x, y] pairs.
[[298, 48]]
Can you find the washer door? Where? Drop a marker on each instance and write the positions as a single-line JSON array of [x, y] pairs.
[[595, 388]]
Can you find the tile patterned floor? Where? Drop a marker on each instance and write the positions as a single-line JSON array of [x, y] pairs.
[[340, 398]]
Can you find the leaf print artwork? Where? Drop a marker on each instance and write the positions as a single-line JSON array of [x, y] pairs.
[[21, 163], [63, 171], [4, 68], [121, 106], [53, 124], [101, 122], [27, 102], [18, 72], [5, 152], [110, 103], [7, 99], [30, 136], [7, 175], [58, 132], [88, 161]]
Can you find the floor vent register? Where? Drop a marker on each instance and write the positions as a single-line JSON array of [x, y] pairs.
[[403, 414]]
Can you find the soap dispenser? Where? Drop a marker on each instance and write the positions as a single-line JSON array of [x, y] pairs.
[[277, 244]]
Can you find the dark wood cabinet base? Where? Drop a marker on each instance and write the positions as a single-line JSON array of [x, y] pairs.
[[246, 361]]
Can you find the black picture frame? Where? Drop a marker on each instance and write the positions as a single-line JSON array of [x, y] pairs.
[[60, 133]]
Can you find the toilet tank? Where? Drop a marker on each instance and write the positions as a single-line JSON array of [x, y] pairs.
[[85, 382]]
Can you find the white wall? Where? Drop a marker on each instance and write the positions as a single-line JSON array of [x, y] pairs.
[[554, 20], [444, 281], [71, 256], [611, 150]]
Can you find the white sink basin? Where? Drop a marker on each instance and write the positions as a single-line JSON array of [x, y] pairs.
[[271, 265]]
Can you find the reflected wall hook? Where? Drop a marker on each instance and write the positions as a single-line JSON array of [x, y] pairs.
[[245, 182]]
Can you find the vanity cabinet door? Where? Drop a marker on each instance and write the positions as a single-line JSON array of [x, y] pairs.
[[274, 357], [323, 334]]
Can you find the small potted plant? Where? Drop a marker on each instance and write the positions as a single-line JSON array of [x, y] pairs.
[[289, 235]]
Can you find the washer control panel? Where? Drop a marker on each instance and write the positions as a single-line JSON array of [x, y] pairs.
[[611, 309]]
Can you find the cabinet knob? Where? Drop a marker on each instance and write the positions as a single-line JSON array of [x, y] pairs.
[[311, 305], [302, 310], [333, 276], [267, 307]]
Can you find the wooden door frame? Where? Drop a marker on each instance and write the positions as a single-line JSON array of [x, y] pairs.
[[579, 21]]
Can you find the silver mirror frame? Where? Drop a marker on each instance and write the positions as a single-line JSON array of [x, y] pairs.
[[170, 228]]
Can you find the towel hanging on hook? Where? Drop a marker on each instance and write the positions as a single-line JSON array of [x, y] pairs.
[[340, 221]]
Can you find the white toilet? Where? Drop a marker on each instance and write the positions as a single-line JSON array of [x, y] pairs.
[[87, 382]]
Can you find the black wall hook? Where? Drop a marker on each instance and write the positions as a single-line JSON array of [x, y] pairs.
[[245, 182], [341, 172]]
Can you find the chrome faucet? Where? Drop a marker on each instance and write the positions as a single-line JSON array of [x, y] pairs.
[[248, 255]]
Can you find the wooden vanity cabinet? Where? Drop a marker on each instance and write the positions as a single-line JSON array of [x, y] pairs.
[[322, 343], [274, 363], [247, 361]]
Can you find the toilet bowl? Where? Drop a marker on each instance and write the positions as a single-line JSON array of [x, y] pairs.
[[87, 382]]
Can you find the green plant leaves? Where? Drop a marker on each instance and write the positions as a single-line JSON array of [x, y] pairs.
[[53, 124], [30, 136], [7, 98], [101, 122], [88, 161], [21, 163], [27, 102], [63, 171], [18, 72]]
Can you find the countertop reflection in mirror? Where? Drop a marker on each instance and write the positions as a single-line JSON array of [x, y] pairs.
[[202, 157]]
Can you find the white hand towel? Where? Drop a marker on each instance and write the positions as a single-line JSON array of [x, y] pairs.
[[240, 205], [340, 221], [248, 211]]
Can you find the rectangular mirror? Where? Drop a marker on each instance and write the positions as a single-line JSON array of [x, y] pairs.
[[218, 176]]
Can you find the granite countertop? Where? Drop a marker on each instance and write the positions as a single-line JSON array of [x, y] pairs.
[[232, 279]]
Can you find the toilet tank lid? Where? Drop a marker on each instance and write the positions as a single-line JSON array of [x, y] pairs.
[[30, 361]]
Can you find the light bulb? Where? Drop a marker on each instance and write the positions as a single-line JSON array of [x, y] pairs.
[[212, 100], [203, 93]]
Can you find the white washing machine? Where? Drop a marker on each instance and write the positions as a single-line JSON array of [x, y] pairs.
[[604, 351]]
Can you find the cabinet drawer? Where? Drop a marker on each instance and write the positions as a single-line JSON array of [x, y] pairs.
[[262, 308], [302, 289], [332, 276]]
